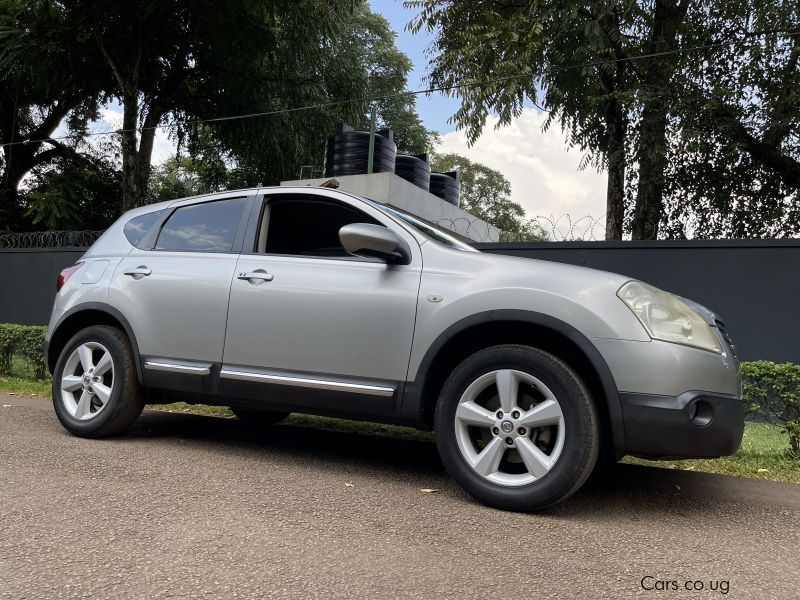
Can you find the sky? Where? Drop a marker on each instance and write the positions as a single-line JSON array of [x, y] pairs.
[[543, 172]]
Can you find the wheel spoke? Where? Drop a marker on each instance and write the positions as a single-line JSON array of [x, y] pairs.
[[104, 364], [103, 392], [85, 354], [471, 413], [83, 405], [536, 461], [488, 461], [71, 383], [544, 413], [507, 387]]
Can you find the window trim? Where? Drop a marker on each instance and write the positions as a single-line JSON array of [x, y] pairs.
[[265, 195], [238, 237]]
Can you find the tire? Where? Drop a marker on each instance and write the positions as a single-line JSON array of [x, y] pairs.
[[259, 418], [102, 413], [564, 428]]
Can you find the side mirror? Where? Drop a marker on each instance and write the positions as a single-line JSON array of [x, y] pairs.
[[374, 241]]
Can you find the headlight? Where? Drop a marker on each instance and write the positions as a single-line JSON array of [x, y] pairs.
[[667, 318]]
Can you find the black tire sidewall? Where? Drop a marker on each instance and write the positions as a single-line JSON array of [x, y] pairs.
[[125, 384], [580, 444]]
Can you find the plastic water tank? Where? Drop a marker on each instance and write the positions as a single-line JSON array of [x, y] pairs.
[[347, 152]]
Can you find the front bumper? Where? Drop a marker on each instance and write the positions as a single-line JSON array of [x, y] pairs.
[[692, 425]]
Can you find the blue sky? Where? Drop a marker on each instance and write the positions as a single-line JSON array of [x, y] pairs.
[[436, 109]]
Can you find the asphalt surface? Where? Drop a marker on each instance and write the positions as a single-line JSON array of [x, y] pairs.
[[190, 506]]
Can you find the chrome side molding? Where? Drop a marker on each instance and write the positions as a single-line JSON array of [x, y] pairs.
[[159, 365], [307, 382]]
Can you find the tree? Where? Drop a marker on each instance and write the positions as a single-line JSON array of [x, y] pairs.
[[486, 194], [513, 52], [357, 59], [48, 78], [655, 83], [734, 168]]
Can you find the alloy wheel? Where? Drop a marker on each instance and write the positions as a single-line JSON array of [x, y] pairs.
[[87, 381], [509, 427]]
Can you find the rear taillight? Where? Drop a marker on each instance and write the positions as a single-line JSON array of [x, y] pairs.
[[65, 275]]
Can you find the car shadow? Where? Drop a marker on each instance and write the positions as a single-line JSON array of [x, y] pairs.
[[618, 491]]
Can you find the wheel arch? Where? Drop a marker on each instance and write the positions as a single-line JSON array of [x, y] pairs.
[[530, 328], [86, 315]]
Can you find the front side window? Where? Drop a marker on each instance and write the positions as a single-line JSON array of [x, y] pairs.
[[207, 227], [307, 226]]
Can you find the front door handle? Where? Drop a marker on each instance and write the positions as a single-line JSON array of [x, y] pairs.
[[256, 277], [138, 272]]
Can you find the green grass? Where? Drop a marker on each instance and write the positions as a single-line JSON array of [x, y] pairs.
[[762, 455]]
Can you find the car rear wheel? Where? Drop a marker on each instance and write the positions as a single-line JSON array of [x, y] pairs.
[[259, 418], [517, 428], [95, 391]]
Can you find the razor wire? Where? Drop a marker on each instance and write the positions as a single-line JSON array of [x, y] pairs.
[[548, 228], [49, 239]]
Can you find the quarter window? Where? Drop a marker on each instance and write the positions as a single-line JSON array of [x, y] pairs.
[[207, 227], [137, 228]]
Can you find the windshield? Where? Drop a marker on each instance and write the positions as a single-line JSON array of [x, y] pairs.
[[428, 231]]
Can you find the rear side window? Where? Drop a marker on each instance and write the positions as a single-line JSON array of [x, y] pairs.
[[207, 227], [137, 228]]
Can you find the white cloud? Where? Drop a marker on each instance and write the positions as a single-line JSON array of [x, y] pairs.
[[543, 172]]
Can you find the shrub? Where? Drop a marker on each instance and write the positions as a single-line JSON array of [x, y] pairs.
[[31, 347], [773, 390], [10, 335], [26, 341]]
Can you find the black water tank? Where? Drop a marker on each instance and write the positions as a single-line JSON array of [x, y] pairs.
[[446, 186], [347, 152], [415, 169]]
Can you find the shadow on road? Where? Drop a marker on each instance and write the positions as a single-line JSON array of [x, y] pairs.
[[617, 490]]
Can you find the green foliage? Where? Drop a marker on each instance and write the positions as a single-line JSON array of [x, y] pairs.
[[27, 341], [773, 390], [10, 335], [486, 193], [705, 127]]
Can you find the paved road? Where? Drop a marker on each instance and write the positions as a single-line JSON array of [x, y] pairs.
[[189, 506]]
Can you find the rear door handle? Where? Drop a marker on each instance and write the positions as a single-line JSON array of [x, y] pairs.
[[138, 272], [256, 277]]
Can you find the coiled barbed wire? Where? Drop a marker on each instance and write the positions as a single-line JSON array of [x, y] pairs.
[[474, 229], [49, 239], [564, 229], [539, 228]]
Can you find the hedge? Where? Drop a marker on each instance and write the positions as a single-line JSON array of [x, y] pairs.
[[773, 391], [27, 342], [769, 390]]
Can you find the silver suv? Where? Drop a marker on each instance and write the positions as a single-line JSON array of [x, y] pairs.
[[276, 300]]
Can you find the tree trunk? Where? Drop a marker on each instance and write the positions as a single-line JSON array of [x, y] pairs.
[[130, 152], [652, 151], [615, 159]]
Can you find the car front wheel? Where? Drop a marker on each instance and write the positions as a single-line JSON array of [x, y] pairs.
[[95, 390], [517, 428]]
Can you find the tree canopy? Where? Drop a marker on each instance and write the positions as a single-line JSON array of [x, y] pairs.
[[185, 67], [681, 102]]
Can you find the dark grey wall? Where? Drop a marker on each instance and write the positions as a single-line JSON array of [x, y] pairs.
[[28, 282], [753, 284]]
